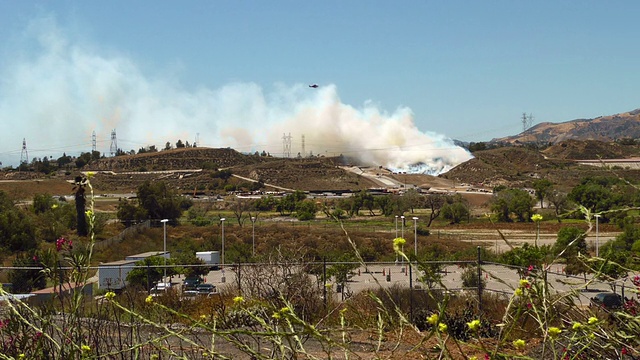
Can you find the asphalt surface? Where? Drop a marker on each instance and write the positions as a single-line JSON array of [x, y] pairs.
[[498, 278]]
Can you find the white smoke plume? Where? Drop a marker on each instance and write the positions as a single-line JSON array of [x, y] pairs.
[[55, 93]]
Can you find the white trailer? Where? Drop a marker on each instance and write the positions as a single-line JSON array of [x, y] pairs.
[[113, 275], [209, 257]]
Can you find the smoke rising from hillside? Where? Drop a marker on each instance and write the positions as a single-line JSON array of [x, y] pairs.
[[55, 93]]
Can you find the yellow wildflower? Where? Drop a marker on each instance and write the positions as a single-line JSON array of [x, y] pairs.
[[576, 326], [109, 295], [554, 332], [21, 356], [519, 344], [433, 319], [442, 327], [592, 320], [474, 325], [536, 217], [238, 299], [276, 316], [90, 174], [398, 243], [524, 283], [85, 347], [149, 299], [518, 292], [285, 310]]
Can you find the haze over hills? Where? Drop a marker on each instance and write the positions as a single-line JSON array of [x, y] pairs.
[[602, 128]]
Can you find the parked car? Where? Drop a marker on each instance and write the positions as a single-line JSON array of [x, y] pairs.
[[160, 288], [205, 289], [191, 283], [189, 293], [607, 300]]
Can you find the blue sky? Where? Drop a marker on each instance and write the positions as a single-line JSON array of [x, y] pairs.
[[465, 70]]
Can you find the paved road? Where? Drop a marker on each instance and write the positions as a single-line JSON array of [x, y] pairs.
[[498, 279]]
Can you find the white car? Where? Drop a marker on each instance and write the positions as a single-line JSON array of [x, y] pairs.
[[160, 288]]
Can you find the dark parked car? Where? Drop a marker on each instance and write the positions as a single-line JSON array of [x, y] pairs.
[[205, 289], [191, 283], [607, 300]]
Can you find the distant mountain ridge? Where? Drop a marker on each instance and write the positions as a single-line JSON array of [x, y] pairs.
[[602, 128]]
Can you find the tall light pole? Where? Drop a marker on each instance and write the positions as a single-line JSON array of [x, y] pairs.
[[402, 248], [396, 225], [396, 236], [253, 235], [597, 216], [164, 255], [222, 221], [415, 236]]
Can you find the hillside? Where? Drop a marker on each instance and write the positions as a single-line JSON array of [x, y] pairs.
[[602, 128], [591, 150], [520, 166]]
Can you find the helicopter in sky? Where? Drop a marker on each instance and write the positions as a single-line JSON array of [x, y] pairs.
[[315, 86]]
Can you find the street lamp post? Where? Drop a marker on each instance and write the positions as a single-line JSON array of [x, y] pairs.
[[402, 247], [253, 235], [164, 255], [597, 216], [396, 236], [415, 236], [222, 221]]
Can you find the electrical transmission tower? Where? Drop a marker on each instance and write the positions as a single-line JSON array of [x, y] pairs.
[[24, 155], [93, 142], [527, 121], [286, 145], [304, 153], [113, 149]]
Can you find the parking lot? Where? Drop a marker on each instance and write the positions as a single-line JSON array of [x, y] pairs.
[[498, 278]]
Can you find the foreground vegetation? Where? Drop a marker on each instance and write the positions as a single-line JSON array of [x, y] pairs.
[[292, 319]]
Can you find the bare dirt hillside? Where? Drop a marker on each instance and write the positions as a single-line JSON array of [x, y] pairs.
[[519, 166], [602, 128], [591, 150]]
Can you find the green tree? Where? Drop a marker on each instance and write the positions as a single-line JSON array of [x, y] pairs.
[[385, 204], [306, 210], [17, 230], [560, 203], [412, 199], [570, 242], [159, 201], [526, 256], [455, 209], [542, 188], [599, 194], [513, 201], [569, 245], [129, 213], [42, 203], [434, 202]]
